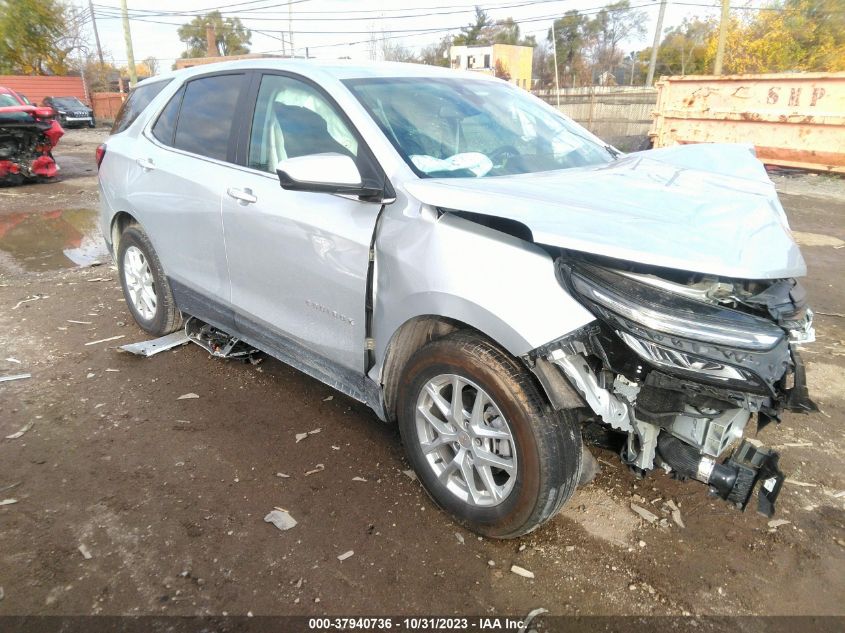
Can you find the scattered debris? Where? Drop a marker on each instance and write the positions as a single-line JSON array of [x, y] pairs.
[[531, 615], [86, 554], [188, 396], [281, 519], [97, 279], [335, 448], [105, 340], [14, 377], [460, 537], [80, 322], [283, 475], [90, 375], [8, 502], [217, 342], [491, 563], [10, 486], [13, 360], [345, 555], [300, 437], [161, 344], [521, 547], [803, 484], [314, 431], [839, 495], [776, 523], [328, 398], [410, 474], [27, 300], [112, 370], [645, 514], [316, 469], [2, 593], [23, 430], [570, 548], [676, 514], [641, 543], [358, 479], [521, 571]]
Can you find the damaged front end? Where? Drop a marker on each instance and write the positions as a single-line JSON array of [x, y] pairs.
[[28, 135], [679, 362]]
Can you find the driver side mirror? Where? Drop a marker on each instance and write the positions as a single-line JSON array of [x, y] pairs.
[[322, 173]]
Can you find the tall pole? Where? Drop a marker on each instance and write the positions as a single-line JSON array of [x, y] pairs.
[[96, 33], [127, 36], [723, 35], [658, 31], [557, 81], [290, 28]]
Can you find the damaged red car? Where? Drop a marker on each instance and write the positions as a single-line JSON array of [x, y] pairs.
[[28, 135]]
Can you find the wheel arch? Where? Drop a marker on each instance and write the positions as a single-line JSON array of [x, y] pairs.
[[119, 223]]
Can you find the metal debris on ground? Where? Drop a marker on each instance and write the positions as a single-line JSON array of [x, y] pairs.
[[8, 502], [345, 555], [105, 340], [217, 342], [157, 345], [13, 360], [86, 554], [645, 514], [410, 474], [521, 571], [528, 618], [358, 479], [281, 519], [14, 377], [282, 475], [317, 469], [80, 322], [188, 396], [23, 430]]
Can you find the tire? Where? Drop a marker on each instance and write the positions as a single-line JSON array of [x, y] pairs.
[[164, 317], [546, 444]]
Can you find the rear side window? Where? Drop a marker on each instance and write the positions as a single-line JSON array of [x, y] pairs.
[[165, 127], [208, 114], [135, 103]]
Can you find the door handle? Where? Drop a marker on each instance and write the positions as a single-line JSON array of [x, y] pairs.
[[243, 195], [146, 164]]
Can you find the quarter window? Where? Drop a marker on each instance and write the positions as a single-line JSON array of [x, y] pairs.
[[293, 119], [207, 115], [165, 127], [135, 103]]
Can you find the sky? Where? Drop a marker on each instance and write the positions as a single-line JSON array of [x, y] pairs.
[[340, 28]]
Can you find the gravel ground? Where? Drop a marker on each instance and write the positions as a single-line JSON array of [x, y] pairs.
[[130, 500]]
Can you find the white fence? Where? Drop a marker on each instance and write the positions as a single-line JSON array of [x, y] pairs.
[[621, 115]]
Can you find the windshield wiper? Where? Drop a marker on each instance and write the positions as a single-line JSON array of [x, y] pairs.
[[612, 151]]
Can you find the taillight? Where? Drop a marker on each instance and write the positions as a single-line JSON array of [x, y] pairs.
[[100, 154]]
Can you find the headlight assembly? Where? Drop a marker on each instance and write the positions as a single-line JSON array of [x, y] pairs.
[[671, 314]]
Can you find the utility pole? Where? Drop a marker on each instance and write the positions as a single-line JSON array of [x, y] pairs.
[[127, 36], [658, 31], [96, 33], [557, 81], [290, 28], [723, 35]]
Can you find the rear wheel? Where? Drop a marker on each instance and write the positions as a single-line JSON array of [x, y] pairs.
[[484, 442], [145, 287]]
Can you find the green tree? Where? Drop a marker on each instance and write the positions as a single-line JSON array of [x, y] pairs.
[[474, 33], [612, 25], [436, 54], [682, 51], [38, 37], [572, 34], [232, 37]]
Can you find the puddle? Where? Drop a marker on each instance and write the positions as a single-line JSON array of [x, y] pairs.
[[52, 240]]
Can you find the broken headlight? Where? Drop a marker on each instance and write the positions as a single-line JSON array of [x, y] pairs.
[[687, 337]]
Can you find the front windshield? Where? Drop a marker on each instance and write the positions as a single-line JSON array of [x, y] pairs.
[[7, 100], [68, 102], [473, 128]]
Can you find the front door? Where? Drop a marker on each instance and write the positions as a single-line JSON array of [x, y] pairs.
[[298, 261]]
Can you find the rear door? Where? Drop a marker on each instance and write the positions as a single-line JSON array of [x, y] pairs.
[[299, 260], [183, 162]]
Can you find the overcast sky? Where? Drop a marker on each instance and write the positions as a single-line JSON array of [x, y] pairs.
[[337, 28]]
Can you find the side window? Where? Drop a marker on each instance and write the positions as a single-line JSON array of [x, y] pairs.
[[293, 119], [135, 103], [208, 114], [165, 126]]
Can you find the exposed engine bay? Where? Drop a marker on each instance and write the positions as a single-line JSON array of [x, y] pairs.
[[679, 362], [27, 137]]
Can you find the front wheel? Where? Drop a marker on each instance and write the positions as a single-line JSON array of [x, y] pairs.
[[145, 287], [484, 442]]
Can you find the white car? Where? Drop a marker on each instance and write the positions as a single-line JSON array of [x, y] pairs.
[[471, 264]]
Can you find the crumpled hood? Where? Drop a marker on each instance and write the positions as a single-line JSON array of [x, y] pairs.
[[703, 208]]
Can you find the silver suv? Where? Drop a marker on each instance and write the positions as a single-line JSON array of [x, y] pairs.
[[471, 264]]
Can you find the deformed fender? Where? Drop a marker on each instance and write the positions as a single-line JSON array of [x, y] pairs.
[[441, 264]]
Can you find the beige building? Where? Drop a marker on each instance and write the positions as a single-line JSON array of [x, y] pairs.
[[512, 62]]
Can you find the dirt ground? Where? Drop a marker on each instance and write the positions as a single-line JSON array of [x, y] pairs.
[[167, 495]]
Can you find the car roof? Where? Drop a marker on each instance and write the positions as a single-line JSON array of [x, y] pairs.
[[336, 69]]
